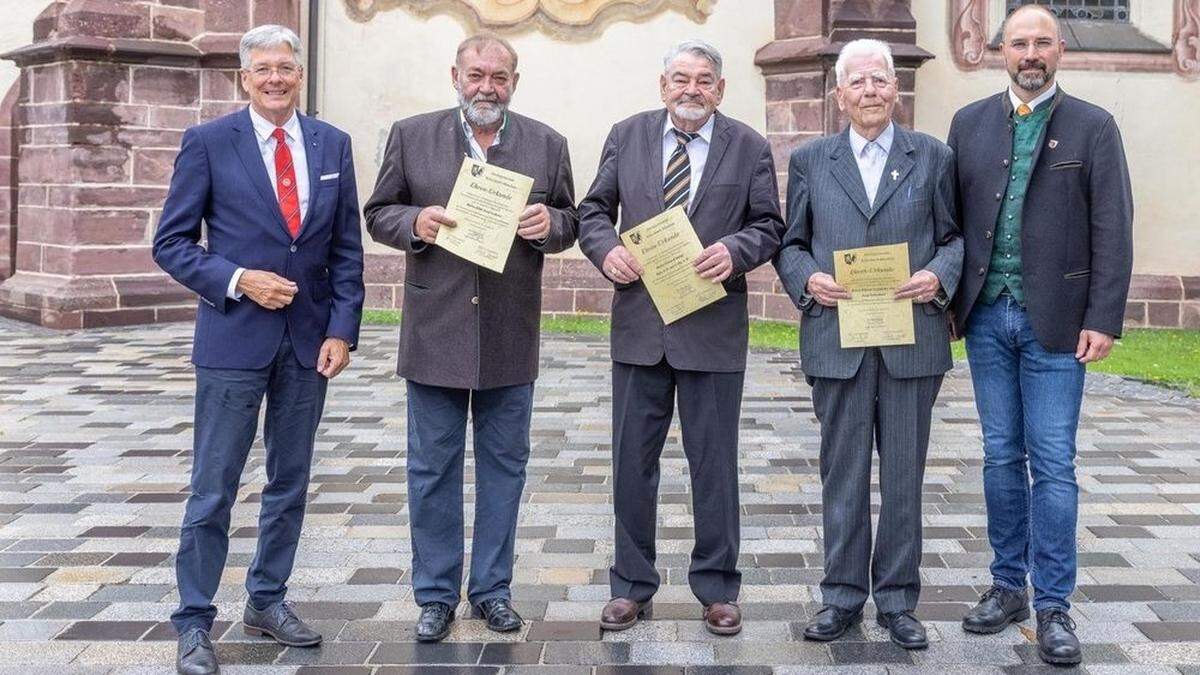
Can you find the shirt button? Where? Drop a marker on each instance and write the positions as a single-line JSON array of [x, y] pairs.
[[293, 248], [475, 300]]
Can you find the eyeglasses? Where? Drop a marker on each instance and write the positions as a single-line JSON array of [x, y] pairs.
[[858, 81], [285, 71], [682, 83]]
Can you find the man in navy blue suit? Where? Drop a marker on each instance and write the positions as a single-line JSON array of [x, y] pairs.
[[281, 288]]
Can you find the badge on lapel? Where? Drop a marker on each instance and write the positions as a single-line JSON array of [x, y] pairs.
[[1053, 143]]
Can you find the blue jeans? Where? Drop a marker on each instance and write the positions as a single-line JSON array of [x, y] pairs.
[[1028, 401], [227, 405], [437, 429]]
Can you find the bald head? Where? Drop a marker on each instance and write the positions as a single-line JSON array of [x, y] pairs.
[[1031, 14]]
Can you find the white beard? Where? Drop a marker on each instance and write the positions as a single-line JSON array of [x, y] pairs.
[[482, 116]]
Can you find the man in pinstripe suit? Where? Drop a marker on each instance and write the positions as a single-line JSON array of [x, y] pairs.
[[872, 184]]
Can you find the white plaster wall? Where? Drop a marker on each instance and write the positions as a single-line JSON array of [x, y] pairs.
[[1159, 118], [16, 30], [398, 65]]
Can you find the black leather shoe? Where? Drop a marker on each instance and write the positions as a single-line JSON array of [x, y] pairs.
[[434, 624], [831, 623], [280, 623], [195, 654], [997, 608], [500, 615], [904, 629], [1057, 643]]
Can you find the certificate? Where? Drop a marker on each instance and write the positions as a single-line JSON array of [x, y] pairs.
[[487, 202], [873, 317], [666, 246]]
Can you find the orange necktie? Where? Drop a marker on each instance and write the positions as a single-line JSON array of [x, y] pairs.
[[1023, 110]]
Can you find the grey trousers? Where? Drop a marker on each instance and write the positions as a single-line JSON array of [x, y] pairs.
[[873, 410]]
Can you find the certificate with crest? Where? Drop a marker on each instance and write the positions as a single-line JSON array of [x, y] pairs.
[[487, 202], [873, 317], [666, 246]]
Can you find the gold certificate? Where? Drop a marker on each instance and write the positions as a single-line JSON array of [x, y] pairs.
[[873, 317], [487, 202], [666, 246]]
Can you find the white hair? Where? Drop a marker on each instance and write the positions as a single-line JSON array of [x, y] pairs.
[[265, 37], [695, 48], [863, 47]]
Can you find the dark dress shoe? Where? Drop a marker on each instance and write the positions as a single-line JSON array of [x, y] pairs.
[[723, 618], [434, 623], [1057, 643], [831, 623], [997, 608], [500, 615], [195, 654], [622, 613], [280, 623], [904, 629]]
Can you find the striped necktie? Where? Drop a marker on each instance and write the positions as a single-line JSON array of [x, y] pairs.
[[677, 180]]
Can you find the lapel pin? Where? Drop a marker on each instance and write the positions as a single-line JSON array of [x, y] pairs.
[[1053, 144], [895, 174]]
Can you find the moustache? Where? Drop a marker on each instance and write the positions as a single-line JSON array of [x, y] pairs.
[[1026, 65]]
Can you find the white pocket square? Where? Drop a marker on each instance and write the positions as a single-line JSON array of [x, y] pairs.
[[331, 176]]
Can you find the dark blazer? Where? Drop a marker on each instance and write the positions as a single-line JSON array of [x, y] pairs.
[[736, 202], [827, 210], [220, 180], [464, 326], [1077, 224]]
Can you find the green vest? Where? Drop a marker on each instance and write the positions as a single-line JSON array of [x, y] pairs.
[[1004, 272]]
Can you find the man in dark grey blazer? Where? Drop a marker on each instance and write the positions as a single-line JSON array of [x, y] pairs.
[[721, 171], [469, 336], [1047, 215], [875, 183]]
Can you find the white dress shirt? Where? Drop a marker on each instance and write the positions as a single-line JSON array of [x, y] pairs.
[[477, 151], [1045, 95], [872, 157], [697, 150], [263, 130]]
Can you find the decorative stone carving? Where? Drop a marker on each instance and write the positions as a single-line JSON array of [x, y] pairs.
[[559, 18], [1186, 37], [968, 33]]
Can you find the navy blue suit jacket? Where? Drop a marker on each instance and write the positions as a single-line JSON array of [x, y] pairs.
[[220, 180]]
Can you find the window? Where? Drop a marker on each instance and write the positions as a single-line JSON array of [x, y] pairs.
[[1095, 25], [1088, 10]]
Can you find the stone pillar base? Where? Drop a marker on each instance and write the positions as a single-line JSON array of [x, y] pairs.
[[91, 302]]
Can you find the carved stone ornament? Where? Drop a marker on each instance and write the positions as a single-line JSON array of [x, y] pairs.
[[559, 18]]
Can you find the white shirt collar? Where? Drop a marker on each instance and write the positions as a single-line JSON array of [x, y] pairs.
[[857, 142], [1045, 95], [263, 128], [705, 131], [466, 127]]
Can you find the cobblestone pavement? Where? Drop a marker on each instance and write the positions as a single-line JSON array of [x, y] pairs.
[[95, 431]]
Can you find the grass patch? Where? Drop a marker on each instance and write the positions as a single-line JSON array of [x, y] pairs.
[[1167, 357]]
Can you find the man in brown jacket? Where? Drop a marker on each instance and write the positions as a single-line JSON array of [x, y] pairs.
[[469, 336]]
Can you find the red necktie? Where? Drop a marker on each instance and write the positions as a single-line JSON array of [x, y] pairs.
[[285, 183]]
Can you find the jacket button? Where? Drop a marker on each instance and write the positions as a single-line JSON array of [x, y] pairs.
[[1004, 162], [998, 196], [475, 300], [293, 248], [987, 235], [981, 271]]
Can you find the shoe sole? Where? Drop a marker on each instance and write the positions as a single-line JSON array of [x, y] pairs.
[[646, 612], [719, 630], [255, 631], [476, 614], [1058, 660], [924, 644], [991, 630], [854, 621]]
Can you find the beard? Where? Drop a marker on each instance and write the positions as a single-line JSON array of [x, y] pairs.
[[694, 112], [1032, 75], [482, 111]]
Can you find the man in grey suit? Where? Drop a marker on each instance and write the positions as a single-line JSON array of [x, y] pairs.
[[875, 183], [469, 336], [721, 171]]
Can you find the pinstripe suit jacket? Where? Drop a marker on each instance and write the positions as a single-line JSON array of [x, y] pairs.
[[827, 210]]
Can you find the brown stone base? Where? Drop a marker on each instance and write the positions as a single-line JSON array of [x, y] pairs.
[[90, 302]]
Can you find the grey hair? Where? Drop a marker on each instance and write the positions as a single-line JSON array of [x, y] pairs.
[[264, 37], [695, 48], [863, 47]]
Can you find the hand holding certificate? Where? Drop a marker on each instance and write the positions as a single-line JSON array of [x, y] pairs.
[[667, 246], [487, 202], [873, 317]]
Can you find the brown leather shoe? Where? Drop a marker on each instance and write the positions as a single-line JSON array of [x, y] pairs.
[[723, 618], [622, 613]]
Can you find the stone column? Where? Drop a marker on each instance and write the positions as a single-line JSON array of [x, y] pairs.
[[107, 89], [798, 67]]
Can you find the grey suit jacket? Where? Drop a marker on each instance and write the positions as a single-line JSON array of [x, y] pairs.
[[735, 202], [827, 210], [464, 326]]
